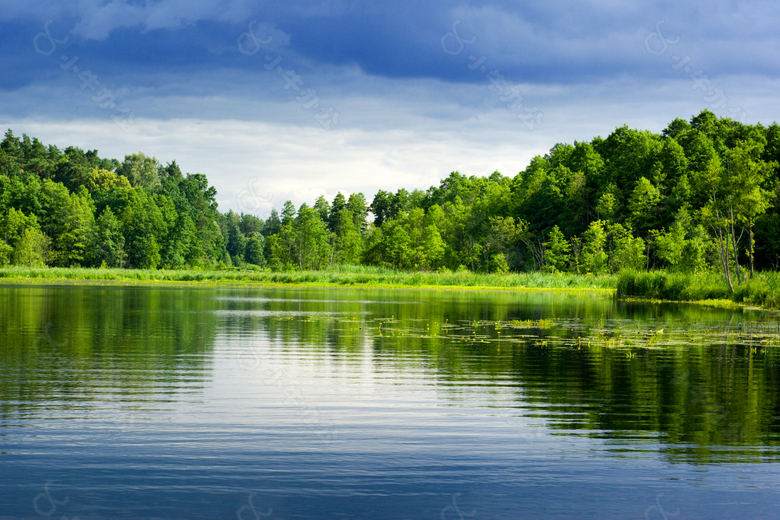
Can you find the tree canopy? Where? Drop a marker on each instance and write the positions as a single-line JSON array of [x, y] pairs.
[[702, 194]]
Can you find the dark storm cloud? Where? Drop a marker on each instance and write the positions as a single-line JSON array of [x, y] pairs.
[[542, 43], [409, 112]]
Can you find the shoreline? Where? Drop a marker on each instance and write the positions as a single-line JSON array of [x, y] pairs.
[[648, 287], [237, 284], [136, 282]]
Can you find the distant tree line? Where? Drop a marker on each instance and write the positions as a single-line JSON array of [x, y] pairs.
[[701, 195], [72, 208]]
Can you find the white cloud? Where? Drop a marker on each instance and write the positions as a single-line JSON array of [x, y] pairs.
[[392, 133], [97, 19], [290, 161]]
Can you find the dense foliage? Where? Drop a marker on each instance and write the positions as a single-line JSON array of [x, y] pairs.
[[702, 195], [72, 208]]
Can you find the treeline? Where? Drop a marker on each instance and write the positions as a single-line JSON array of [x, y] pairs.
[[72, 208], [701, 195]]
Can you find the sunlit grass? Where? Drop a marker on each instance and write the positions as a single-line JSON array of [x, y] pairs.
[[336, 276], [709, 288]]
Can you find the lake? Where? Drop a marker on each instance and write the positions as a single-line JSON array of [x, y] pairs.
[[249, 403]]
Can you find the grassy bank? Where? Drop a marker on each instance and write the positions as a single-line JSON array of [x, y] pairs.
[[342, 276], [761, 291]]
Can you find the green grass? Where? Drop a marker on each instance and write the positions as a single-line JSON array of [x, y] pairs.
[[347, 276], [763, 290], [661, 285], [707, 287]]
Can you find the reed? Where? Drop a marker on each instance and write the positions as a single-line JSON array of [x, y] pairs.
[[762, 290], [342, 275]]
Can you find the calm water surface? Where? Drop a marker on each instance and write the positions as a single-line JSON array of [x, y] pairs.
[[139, 402]]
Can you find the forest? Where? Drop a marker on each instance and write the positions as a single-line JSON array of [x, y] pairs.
[[700, 196]]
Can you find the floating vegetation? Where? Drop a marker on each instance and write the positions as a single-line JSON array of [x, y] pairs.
[[552, 332], [535, 324]]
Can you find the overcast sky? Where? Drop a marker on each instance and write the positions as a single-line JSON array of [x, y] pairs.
[[296, 99]]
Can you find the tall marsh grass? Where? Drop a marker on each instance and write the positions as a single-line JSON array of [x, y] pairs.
[[338, 275], [762, 290]]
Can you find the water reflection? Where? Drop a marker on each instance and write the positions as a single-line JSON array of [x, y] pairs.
[[420, 398], [699, 378], [696, 379], [99, 350]]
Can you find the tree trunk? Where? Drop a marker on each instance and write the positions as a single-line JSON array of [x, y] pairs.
[[750, 240], [724, 258], [733, 239], [733, 235]]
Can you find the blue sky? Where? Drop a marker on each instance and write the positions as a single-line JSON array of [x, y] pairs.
[[292, 100]]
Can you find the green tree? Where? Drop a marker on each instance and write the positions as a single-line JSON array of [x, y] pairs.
[[381, 207], [284, 252], [312, 239], [717, 213], [358, 206], [501, 238], [198, 199], [533, 241], [72, 225], [431, 249], [334, 218], [322, 206], [606, 207], [141, 171], [643, 205], [556, 251], [498, 264], [349, 243], [277, 254], [179, 246], [235, 240], [697, 245], [669, 244], [142, 227], [394, 247], [627, 251], [593, 256], [99, 179], [273, 224], [250, 224], [109, 243], [748, 173], [254, 249], [32, 249], [21, 241]]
